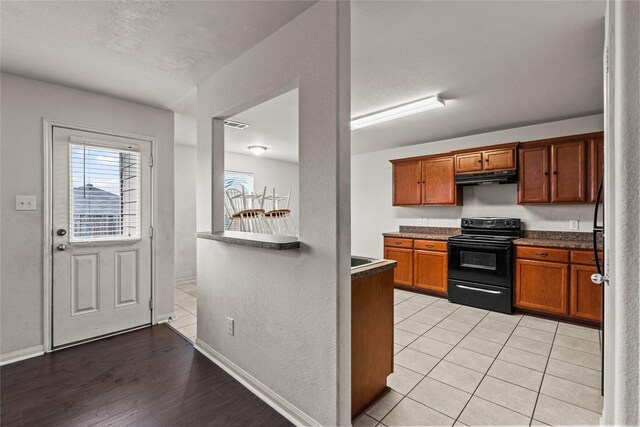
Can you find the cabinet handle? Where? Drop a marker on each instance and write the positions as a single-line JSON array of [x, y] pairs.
[[397, 243], [546, 173], [479, 161], [428, 246], [542, 254], [555, 172], [487, 160]]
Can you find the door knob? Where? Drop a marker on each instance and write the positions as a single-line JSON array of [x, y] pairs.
[[61, 247], [61, 232], [599, 279]]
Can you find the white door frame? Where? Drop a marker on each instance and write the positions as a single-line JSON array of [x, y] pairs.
[[47, 205]]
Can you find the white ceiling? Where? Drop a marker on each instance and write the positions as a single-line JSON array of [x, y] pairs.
[[152, 52], [273, 124], [498, 64]]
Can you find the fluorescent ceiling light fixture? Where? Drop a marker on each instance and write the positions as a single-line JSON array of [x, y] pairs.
[[257, 149], [398, 111], [235, 125]]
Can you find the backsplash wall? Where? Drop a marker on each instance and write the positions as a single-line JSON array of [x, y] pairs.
[[372, 212]]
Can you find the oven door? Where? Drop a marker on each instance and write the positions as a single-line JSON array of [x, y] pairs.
[[477, 262]]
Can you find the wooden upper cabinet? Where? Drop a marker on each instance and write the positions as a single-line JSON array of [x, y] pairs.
[[533, 175], [596, 166], [438, 181], [469, 163], [500, 159], [407, 183], [494, 158], [569, 172]]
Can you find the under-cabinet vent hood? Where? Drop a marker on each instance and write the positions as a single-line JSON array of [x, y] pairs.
[[499, 177]]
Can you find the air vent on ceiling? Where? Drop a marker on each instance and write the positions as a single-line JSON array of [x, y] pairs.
[[235, 125]]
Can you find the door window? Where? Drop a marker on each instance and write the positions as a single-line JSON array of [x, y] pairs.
[[104, 193]]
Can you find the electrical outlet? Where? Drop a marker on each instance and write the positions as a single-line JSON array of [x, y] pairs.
[[25, 203], [574, 224], [230, 326]]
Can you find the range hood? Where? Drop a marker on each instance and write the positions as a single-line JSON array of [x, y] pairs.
[[499, 177]]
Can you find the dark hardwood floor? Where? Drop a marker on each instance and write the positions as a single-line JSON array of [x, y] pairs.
[[149, 377]]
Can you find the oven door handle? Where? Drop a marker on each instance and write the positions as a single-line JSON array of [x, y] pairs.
[[471, 288], [480, 245]]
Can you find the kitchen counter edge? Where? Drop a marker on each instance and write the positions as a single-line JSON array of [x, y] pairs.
[[370, 270]]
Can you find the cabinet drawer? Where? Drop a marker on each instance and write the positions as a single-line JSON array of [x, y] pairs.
[[397, 242], [542, 254], [584, 257], [430, 245]]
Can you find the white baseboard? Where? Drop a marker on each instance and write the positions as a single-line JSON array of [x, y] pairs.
[[270, 397], [16, 356], [164, 318], [184, 279]]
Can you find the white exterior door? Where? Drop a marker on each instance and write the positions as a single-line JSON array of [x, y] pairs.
[[101, 235]]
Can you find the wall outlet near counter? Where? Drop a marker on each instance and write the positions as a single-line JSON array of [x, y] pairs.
[[574, 224]]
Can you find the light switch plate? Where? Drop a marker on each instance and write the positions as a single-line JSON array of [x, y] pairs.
[[25, 203], [574, 224]]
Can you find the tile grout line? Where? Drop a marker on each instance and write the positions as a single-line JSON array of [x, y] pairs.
[[544, 373], [406, 396], [485, 375]]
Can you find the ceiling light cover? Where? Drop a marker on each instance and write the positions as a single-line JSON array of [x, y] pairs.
[[257, 149], [403, 110]]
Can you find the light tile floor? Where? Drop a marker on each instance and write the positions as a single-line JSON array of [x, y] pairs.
[[186, 309], [458, 365]]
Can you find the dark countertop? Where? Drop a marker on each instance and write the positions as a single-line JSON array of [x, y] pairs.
[[254, 240], [369, 270], [554, 243], [420, 236], [549, 239], [556, 239]]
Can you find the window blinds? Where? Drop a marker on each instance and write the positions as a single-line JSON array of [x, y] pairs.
[[104, 193]]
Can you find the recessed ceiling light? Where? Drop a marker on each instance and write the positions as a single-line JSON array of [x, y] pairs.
[[398, 111], [257, 149], [235, 125]]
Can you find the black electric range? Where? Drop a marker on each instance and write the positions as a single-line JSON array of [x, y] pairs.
[[480, 272]]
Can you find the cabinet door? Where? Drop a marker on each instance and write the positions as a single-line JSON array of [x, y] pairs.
[[430, 271], [533, 181], [542, 286], [586, 296], [469, 162], [406, 183], [569, 172], [596, 167], [500, 159], [403, 273], [438, 182]]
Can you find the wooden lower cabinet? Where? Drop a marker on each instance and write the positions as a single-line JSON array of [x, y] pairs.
[[422, 264], [557, 282], [542, 286], [586, 296], [371, 338], [430, 271], [403, 273]]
